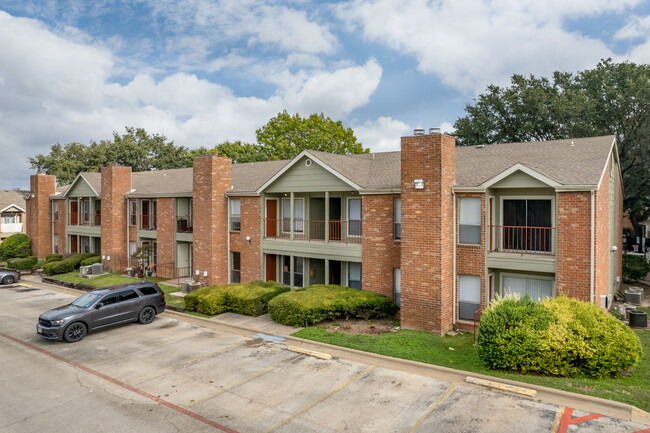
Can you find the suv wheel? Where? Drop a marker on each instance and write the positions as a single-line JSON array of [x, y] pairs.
[[75, 332], [146, 316]]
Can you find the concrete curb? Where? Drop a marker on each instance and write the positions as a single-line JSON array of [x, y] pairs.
[[558, 397]]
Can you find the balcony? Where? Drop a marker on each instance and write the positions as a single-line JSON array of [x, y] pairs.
[[522, 240], [184, 224], [11, 227], [349, 232]]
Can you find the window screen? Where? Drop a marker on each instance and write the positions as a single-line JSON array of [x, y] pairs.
[[535, 288], [397, 217], [235, 215], [469, 296], [469, 221], [354, 275]]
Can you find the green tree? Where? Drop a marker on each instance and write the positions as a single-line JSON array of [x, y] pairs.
[[613, 98], [136, 148], [241, 152], [285, 136]]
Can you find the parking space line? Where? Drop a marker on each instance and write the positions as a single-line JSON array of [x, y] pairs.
[[178, 364], [320, 399], [239, 382], [568, 420], [126, 386], [558, 418], [444, 397]]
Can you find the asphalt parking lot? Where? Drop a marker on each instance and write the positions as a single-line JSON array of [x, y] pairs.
[[175, 376]]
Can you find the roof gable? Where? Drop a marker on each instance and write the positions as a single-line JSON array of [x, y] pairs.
[[82, 187], [519, 176], [12, 208]]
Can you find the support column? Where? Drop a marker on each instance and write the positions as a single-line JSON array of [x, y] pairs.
[[327, 271], [291, 222], [327, 221]]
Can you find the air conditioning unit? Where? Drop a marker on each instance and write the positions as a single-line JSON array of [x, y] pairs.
[[85, 270], [634, 295]]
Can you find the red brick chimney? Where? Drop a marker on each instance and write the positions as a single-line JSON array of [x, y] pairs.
[[428, 172], [116, 182], [212, 178], [39, 218]]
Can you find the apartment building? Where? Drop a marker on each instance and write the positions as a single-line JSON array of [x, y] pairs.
[[438, 228], [12, 212]]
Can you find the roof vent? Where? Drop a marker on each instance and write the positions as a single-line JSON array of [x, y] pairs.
[[308, 163], [434, 130], [418, 131]]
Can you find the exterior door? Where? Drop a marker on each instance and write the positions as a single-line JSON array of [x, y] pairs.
[[271, 267], [74, 213], [271, 222], [73, 244]]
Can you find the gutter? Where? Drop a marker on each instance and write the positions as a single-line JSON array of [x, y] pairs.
[[228, 277], [453, 266], [128, 218]]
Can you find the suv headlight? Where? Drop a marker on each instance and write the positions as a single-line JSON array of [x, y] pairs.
[[57, 322]]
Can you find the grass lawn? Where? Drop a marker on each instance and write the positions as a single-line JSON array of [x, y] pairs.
[[433, 349], [114, 278]]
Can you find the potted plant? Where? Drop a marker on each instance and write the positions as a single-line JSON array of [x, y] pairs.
[[141, 256]]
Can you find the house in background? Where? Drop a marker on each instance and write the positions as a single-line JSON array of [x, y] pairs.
[[440, 229], [12, 212]]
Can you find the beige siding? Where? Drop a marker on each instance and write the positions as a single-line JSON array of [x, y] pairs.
[[301, 178], [80, 189]]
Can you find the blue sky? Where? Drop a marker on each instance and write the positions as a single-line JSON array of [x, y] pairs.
[[202, 71]]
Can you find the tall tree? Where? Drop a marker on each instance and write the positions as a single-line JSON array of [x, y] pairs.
[[613, 98], [241, 152], [285, 136], [136, 148]]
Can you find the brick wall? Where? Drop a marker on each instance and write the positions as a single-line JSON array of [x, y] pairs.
[[249, 252], [573, 244], [60, 225], [165, 231], [380, 250], [619, 229], [427, 232], [39, 225], [601, 246], [212, 177], [116, 182]]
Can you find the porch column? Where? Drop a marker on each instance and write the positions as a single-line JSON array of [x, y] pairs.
[[291, 257], [327, 225], [327, 269], [291, 228]]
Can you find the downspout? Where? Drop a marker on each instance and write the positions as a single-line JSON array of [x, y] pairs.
[[52, 220], [228, 249], [591, 258], [128, 217], [453, 267]]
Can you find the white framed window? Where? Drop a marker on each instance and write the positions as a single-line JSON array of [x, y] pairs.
[[535, 287], [286, 270], [297, 272], [354, 217], [469, 231], [133, 212], [527, 224], [55, 209], [397, 285], [354, 275], [235, 215], [397, 218], [298, 214], [235, 267], [56, 243], [469, 296]]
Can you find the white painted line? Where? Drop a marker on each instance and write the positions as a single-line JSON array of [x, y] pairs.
[[320, 355], [502, 386]]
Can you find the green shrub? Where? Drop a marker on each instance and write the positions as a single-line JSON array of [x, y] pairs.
[[635, 268], [251, 299], [559, 337], [78, 258], [53, 258], [16, 245], [39, 264], [320, 302], [24, 263], [91, 261], [59, 267]]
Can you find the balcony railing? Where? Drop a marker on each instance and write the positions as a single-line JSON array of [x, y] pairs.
[[11, 227], [184, 224], [522, 240], [314, 230]]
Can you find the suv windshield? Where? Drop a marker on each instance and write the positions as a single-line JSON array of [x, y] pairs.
[[86, 300]]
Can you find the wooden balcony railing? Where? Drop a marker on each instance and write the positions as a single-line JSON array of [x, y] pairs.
[[522, 240], [314, 230]]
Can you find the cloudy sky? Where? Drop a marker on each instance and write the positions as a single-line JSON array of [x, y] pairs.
[[205, 71]]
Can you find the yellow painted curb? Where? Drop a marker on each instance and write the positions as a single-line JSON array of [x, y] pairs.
[[320, 355], [502, 386]]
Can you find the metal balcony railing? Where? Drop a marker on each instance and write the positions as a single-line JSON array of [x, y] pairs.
[[314, 230], [522, 240]]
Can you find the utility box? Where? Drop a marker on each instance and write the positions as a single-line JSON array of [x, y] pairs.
[[97, 268], [85, 270]]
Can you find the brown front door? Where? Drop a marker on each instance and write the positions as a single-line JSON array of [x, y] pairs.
[[73, 244], [272, 221], [271, 265], [74, 213]]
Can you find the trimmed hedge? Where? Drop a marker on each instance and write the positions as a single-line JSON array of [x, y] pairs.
[[67, 265], [78, 258], [24, 263], [635, 268], [251, 299], [313, 304], [558, 337], [91, 261], [53, 258], [16, 245]]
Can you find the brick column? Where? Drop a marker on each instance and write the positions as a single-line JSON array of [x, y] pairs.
[[427, 232], [573, 275], [166, 230], [212, 178], [39, 224], [116, 182]]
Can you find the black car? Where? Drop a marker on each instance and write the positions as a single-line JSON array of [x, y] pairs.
[[100, 308], [9, 277]]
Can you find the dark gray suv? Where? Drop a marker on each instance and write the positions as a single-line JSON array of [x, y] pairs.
[[100, 308]]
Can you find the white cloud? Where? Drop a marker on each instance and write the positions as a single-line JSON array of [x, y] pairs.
[[637, 28], [382, 135], [470, 44]]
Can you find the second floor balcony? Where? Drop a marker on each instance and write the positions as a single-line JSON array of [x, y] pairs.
[[522, 240], [345, 231]]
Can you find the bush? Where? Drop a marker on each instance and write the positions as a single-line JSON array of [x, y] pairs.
[[635, 268], [91, 261], [313, 304], [59, 267], [16, 245], [39, 264], [53, 258], [78, 258], [559, 337], [251, 299], [24, 263]]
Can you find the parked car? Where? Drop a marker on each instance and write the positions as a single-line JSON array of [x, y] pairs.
[[9, 277], [101, 308]]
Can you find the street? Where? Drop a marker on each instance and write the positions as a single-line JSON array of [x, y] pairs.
[[173, 376]]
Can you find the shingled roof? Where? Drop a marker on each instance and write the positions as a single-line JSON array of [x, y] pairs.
[[12, 197]]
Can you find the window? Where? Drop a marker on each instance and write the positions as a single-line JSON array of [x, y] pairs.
[[397, 218], [397, 283], [469, 221], [527, 225], [145, 218], [109, 299], [235, 267], [469, 296], [536, 288], [9, 218], [56, 243], [154, 214], [55, 209], [297, 272], [286, 270], [128, 294], [235, 215], [147, 290], [354, 217], [298, 214], [133, 247], [133, 212], [354, 275], [85, 244], [85, 206]]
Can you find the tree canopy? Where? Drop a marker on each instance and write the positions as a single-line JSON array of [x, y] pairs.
[[613, 98], [136, 148], [241, 152]]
